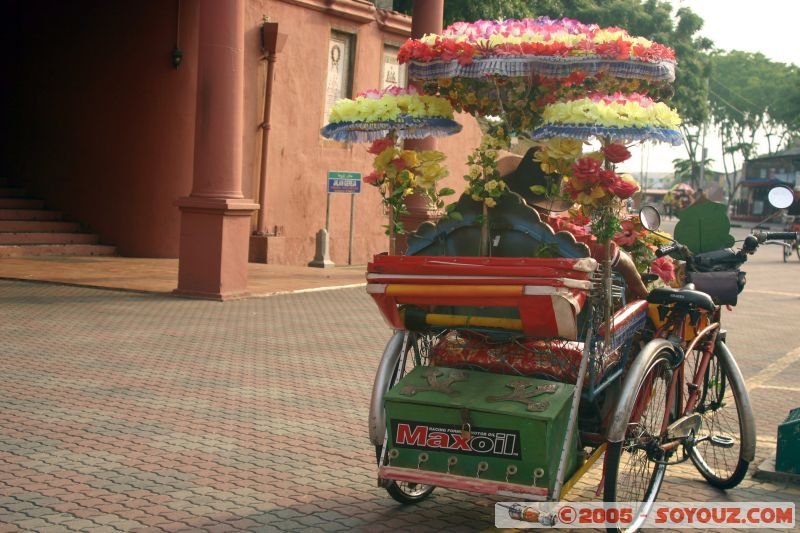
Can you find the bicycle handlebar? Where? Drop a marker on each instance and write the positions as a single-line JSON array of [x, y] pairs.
[[776, 236], [670, 248]]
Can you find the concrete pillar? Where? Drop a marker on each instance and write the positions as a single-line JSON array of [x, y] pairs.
[[215, 218], [427, 17]]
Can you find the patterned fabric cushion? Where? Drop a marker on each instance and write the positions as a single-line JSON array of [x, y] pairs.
[[556, 359]]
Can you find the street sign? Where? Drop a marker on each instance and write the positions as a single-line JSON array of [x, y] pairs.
[[344, 182]]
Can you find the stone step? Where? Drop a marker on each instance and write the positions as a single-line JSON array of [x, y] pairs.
[[48, 238], [38, 226], [29, 214], [12, 192], [21, 203], [26, 250]]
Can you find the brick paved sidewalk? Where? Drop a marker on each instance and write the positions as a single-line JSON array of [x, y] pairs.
[[135, 412]]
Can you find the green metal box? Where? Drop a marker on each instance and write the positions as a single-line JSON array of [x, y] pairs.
[[479, 425], [787, 458]]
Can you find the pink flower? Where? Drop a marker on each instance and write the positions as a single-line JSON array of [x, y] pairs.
[[628, 235], [664, 268]]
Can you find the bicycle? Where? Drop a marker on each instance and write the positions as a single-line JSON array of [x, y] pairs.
[[793, 224]]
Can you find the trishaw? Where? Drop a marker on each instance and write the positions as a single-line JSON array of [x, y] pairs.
[[518, 358]]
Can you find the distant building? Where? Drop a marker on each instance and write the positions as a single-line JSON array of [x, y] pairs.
[[760, 175]]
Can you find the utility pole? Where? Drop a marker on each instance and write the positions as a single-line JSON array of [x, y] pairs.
[[703, 151]]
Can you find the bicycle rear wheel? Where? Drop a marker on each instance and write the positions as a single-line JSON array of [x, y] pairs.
[[635, 467], [720, 449], [418, 348]]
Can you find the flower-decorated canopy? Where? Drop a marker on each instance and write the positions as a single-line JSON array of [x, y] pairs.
[[553, 48], [514, 68], [401, 112], [616, 117]]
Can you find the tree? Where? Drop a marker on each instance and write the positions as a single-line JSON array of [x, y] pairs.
[[751, 96]]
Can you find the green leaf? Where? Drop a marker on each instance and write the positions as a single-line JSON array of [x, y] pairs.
[[446, 191], [455, 215]]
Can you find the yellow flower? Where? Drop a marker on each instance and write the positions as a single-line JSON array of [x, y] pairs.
[[490, 202], [382, 160], [476, 197], [563, 148], [490, 185], [409, 157], [614, 114]]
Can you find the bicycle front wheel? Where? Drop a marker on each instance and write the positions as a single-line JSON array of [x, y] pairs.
[[721, 452], [635, 467]]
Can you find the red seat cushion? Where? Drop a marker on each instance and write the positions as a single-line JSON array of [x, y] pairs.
[[554, 358]]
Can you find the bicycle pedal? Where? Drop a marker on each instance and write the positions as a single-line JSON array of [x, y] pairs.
[[721, 441]]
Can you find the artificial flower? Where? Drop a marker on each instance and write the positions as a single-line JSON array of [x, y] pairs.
[[616, 111], [629, 234], [389, 105], [664, 268], [380, 145], [616, 153], [624, 187], [373, 178], [586, 168], [543, 36]]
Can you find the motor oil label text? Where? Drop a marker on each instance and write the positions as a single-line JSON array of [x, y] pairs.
[[450, 438]]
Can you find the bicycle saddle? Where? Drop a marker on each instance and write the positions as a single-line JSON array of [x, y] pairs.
[[686, 296]]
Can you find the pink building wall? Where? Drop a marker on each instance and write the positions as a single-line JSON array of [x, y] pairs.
[[102, 127]]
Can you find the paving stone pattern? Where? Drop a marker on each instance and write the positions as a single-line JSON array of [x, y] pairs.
[[132, 412]]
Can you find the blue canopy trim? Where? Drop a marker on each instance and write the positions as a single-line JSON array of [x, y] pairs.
[[549, 66], [405, 127], [584, 131]]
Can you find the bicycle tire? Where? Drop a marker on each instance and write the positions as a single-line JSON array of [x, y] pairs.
[[632, 473], [417, 352], [724, 460]]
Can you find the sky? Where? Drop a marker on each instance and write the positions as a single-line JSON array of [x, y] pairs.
[[766, 26]]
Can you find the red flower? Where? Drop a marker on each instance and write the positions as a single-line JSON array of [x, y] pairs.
[[628, 235], [607, 178], [380, 145], [586, 168], [399, 164], [616, 153], [664, 268], [374, 178], [570, 189], [623, 189], [618, 49], [465, 53]]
